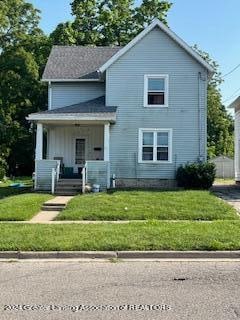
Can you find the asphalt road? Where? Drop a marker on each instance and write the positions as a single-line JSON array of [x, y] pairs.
[[123, 290]]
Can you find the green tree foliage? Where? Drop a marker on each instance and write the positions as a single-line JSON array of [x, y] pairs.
[[18, 19], [220, 124], [64, 34], [20, 91], [115, 22], [150, 9], [85, 25], [23, 53], [108, 22]]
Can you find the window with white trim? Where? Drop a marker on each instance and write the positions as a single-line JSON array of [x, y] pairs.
[[155, 145], [156, 90]]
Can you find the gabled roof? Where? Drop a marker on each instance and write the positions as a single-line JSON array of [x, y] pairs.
[[170, 33], [76, 62], [95, 109], [84, 63]]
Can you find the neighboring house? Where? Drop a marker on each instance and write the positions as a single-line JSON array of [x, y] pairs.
[[134, 113], [236, 105]]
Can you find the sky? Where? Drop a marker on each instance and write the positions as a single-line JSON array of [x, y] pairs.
[[213, 25]]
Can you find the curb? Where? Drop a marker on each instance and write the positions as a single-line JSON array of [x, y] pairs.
[[24, 255]]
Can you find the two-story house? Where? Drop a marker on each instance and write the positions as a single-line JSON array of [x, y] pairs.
[[123, 116]]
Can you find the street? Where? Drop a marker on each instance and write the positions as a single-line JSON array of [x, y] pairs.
[[120, 290]]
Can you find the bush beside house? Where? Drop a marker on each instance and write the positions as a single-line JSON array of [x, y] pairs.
[[196, 175]]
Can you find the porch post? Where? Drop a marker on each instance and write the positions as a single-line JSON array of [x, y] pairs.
[[106, 141], [39, 142]]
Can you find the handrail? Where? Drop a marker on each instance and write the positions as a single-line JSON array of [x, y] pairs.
[[84, 175], [55, 176], [54, 173]]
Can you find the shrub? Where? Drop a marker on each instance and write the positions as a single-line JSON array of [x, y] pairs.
[[196, 175]]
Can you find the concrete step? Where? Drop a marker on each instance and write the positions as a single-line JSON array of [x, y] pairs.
[[54, 204], [52, 208], [68, 187], [66, 193], [74, 182]]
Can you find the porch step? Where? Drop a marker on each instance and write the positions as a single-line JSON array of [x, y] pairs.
[[52, 208], [68, 187], [73, 182], [66, 193]]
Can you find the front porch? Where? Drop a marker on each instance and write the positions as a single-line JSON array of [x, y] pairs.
[[76, 151], [76, 144]]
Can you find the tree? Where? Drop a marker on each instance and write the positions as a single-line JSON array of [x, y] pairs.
[[116, 23], [18, 19], [86, 24], [108, 22], [20, 90], [23, 53], [220, 125], [64, 34], [150, 9]]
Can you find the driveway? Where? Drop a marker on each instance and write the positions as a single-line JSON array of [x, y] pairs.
[[229, 193], [123, 290]]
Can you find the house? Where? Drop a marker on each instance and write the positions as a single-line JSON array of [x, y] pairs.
[[122, 116], [236, 105]]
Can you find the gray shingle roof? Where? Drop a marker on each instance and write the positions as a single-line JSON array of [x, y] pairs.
[[91, 106], [76, 62]]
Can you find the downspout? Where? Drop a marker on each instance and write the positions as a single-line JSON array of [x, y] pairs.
[[49, 96], [201, 156]]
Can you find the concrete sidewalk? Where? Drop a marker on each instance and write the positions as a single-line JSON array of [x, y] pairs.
[[51, 209]]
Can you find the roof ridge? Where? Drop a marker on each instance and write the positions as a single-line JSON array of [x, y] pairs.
[[86, 46]]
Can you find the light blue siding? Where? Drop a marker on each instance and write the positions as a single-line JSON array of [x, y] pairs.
[[97, 172], [156, 54], [66, 94], [43, 174]]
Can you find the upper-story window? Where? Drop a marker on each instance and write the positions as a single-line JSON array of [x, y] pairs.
[[156, 90]]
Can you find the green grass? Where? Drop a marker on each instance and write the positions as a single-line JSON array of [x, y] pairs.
[[22, 206], [151, 235], [145, 205], [19, 203]]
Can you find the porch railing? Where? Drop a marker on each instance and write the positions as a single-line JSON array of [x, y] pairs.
[[55, 176], [84, 178], [44, 173], [96, 172]]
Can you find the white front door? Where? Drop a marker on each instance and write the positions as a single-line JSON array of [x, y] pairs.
[[80, 153]]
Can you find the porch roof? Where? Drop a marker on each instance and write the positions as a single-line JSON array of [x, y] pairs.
[[95, 109]]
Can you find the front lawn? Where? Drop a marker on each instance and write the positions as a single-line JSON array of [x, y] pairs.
[[22, 206], [145, 205], [151, 235], [19, 203]]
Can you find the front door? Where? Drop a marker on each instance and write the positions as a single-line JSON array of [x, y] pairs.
[[80, 154]]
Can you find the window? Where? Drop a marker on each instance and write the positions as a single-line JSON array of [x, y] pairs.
[[80, 147], [155, 145], [156, 91]]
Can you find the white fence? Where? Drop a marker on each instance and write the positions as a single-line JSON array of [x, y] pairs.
[[224, 167]]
